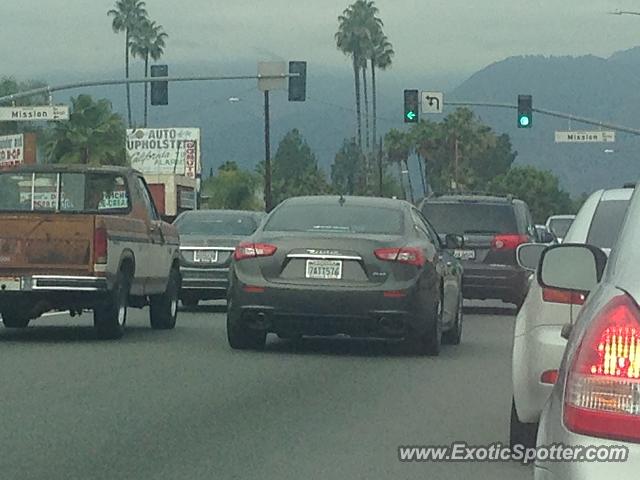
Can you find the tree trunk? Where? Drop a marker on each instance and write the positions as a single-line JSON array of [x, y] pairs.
[[365, 89], [126, 74], [146, 89], [400, 177], [374, 106], [356, 74]]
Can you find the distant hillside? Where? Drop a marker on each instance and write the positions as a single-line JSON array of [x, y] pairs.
[[603, 89]]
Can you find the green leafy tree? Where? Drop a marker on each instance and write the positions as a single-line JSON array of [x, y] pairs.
[[232, 188], [398, 149], [540, 189], [94, 135], [10, 86], [127, 17], [482, 154], [295, 170], [348, 170], [148, 42]]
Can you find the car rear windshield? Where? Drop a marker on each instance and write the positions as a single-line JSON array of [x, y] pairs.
[[607, 222], [66, 192], [336, 219], [468, 217], [560, 226], [216, 224]]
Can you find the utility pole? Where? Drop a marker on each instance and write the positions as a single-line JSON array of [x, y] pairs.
[[380, 168], [456, 163], [267, 155]]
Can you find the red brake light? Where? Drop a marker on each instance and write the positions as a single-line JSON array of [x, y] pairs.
[[408, 255], [551, 295], [100, 245], [508, 241], [602, 395], [252, 250]]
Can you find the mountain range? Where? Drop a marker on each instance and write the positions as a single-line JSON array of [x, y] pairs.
[[230, 113]]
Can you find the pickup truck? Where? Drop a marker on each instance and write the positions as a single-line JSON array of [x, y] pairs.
[[77, 238]]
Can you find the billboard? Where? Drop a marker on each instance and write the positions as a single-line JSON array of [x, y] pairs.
[[165, 150], [11, 150]]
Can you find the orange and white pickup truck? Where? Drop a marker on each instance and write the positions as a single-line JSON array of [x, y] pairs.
[[77, 238]]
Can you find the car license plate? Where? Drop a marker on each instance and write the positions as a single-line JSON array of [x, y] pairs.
[[465, 254], [324, 269], [11, 284], [205, 256]]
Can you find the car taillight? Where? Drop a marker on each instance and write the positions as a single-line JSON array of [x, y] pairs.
[[408, 255], [602, 395], [253, 250], [551, 295], [508, 241], [100, 245]]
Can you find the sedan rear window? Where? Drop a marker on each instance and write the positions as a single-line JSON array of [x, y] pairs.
[[607, 222], [216, 224], [336, 219], [467, 217]]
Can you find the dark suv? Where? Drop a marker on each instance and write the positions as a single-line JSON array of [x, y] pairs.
[[493, 227]]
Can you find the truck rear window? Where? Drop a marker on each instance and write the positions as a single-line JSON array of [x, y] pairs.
[[469, 217], [65, 192]]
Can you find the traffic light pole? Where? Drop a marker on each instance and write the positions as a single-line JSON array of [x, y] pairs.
[[550, 113], [102, 83], [268, 202]]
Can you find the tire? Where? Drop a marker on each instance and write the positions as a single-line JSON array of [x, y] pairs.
[[454, 336], [429, 342], [164, 307], [110, 318], [242, 338], [14, 320], [521, 433]]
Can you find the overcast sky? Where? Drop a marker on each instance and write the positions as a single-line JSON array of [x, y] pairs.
[[436, 36]]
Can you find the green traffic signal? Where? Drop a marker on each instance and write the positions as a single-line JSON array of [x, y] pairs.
[[525, 111], [411, 106]]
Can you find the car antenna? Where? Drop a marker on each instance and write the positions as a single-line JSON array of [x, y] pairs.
[[341, 200]]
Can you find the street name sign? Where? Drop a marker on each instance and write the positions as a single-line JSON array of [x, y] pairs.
[[599, 136], [432, 102], [31, 114]]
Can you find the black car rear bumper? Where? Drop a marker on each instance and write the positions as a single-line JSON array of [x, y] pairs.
[[502, 282], [306, 311], [204, 283]]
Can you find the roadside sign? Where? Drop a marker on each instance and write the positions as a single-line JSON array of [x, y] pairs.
[[432, 102], [272, 69], [598, 136], [31, 114]]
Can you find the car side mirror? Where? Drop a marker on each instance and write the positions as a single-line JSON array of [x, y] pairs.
[[452, 240], [528, 255], [571, 267], [566, 330]]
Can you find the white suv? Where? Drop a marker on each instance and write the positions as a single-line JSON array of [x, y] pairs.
[[538, 346]]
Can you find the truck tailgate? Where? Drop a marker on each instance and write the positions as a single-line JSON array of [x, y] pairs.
[[41, 243]]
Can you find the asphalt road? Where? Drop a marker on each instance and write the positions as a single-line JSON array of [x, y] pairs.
[[182, 405]]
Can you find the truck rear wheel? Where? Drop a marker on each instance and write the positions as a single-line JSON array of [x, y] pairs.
[[110, 318], [164, 308], [13, 319]]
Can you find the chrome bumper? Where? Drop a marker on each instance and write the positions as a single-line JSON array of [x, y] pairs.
[[62, 283]]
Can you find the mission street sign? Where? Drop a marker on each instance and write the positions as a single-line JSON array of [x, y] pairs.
[[586, 137]]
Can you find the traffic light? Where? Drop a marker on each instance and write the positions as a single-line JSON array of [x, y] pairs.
[[525, 111], [411, 106], [159, 90], [298, 84]]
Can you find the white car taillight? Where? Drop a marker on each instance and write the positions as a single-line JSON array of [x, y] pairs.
[[602, 393]]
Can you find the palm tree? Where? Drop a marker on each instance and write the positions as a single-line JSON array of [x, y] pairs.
[[127, 17], [94, 135], [398, 146], [381, 55], [148, 41], [348, 40]]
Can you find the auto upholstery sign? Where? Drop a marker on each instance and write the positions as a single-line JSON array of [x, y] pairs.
[[165, 150], [11, 150]]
